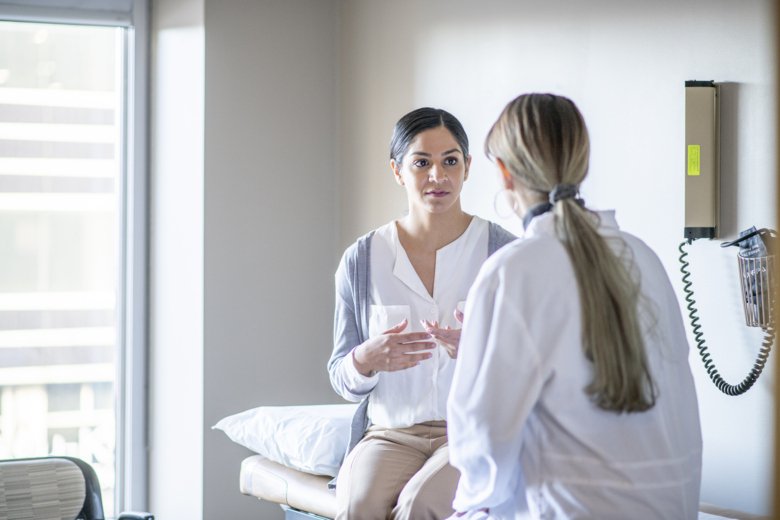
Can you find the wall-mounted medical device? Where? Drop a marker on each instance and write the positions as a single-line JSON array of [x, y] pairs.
[[702, 164], [756, 257]]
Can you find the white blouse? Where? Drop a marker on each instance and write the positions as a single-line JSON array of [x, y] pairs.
[[407, 397], [524, 435]]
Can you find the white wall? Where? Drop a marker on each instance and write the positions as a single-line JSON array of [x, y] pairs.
[[243, 233], [176, 261], [624, 64], [270, 220]]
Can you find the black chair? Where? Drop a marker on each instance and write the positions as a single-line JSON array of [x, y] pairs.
[[53, 488]]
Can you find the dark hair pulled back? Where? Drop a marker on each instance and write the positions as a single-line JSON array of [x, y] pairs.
[[419, 120]]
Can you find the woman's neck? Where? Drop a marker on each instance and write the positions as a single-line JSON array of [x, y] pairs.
[[432, 231], [527, 199]]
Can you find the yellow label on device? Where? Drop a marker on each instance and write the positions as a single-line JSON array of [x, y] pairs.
[[694, 159]]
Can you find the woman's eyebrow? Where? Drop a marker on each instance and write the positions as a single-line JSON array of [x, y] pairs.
[[426, 154]]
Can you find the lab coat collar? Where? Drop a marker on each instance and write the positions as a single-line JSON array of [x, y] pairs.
[[544, 224], [535, 211]]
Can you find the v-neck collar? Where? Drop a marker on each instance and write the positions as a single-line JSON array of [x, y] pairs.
[[404, 270]]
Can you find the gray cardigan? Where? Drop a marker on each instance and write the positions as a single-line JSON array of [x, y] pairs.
[[350, 327]]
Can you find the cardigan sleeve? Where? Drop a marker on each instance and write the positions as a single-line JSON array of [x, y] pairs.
[[344, 377]]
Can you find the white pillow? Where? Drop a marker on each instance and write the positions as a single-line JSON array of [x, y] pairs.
[[312, 438]]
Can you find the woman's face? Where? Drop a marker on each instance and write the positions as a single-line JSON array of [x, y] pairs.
[[432, 171]]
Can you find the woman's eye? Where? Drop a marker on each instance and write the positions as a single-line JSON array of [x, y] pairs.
[[421, 163], [451, 161]]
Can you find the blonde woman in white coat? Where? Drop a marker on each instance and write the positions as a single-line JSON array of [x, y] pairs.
[[572, 395]]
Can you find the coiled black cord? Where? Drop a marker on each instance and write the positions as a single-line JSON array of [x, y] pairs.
[[709, 364]]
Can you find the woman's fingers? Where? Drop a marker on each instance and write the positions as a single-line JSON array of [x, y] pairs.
[[401, 356], [450, 339], [407, 361], [458, 315], [446, 335], [397, 328], [402, 350], [414, 346], [409, 337]]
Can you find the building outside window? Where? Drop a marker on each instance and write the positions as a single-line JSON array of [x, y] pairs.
[[64, 254]]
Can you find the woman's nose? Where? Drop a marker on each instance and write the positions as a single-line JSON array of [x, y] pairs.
[[437, 174]]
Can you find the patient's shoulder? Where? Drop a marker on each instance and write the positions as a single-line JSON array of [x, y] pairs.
[[498, 237], [358, 253]]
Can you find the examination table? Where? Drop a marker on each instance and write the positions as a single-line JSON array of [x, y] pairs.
[[305, 496], [301, 495], [297, 447]]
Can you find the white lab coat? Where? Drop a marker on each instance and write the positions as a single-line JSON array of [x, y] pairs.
[[528, 441]]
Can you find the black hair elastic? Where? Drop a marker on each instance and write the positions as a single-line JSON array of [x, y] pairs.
[[563, 191], [544, 207]]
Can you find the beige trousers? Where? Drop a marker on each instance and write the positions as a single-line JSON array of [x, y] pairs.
[[401, 473]]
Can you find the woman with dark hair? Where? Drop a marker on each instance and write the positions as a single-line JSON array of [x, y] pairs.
[[573, 397], [397, 290]]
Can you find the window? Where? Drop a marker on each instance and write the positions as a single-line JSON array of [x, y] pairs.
[[72, 243]]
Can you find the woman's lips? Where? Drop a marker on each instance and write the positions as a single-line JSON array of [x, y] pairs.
[[437, 193]]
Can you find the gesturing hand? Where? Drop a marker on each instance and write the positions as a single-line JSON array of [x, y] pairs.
[[392, 350], [449, 337]]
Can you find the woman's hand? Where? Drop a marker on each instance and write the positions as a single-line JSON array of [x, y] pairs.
[[391, 351], [449, 337]]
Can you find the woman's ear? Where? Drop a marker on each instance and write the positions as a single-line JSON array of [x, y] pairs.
[[396, 167], [468, 166], [506, 177]]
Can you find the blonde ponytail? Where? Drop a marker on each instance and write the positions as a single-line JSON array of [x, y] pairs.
[[543, 142]]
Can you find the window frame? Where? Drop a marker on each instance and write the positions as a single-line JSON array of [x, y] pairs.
[[132, 442]]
